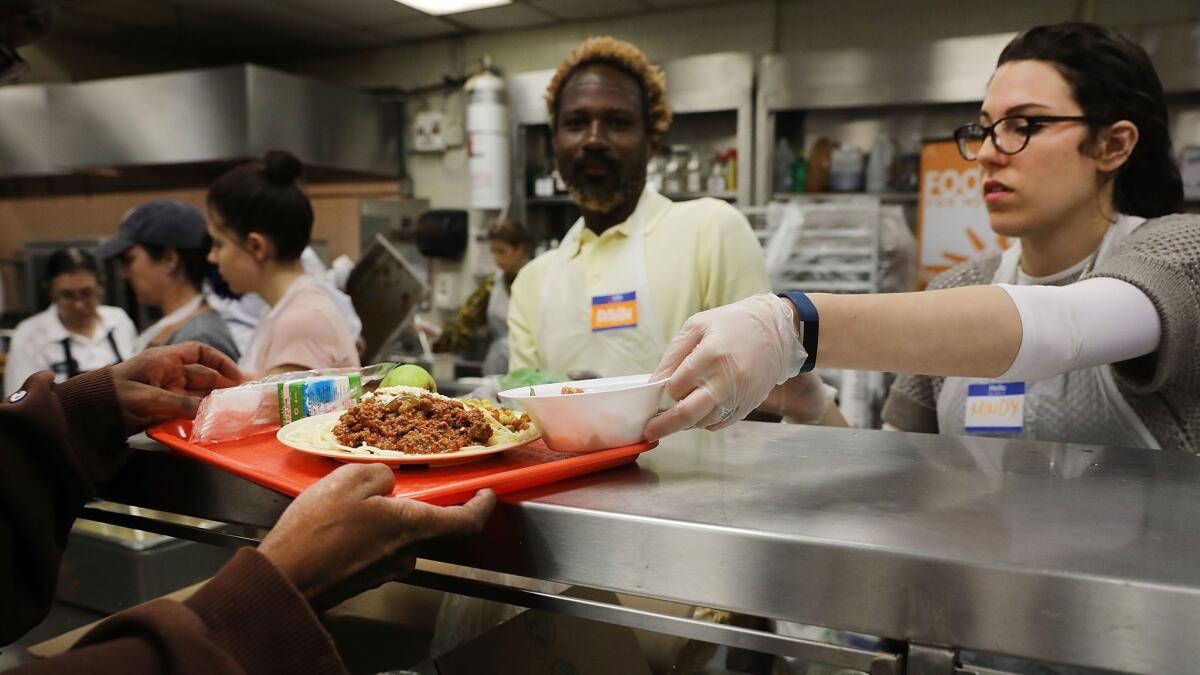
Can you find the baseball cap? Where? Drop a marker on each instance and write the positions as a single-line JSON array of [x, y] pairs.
[[164, 222]]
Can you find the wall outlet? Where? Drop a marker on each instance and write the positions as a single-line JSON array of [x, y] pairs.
[[429, 132]]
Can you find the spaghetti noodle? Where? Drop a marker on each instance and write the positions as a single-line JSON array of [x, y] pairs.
[[406, 421]]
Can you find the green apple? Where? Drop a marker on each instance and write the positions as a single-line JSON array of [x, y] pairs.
[[409, 375]]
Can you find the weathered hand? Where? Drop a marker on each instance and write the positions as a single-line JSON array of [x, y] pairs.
[[344, 535], [167, 383]]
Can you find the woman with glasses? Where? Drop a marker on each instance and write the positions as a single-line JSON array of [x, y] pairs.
[[75, 333], [1082, 331]]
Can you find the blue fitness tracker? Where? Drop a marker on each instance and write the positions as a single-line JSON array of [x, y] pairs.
[[812, 323]]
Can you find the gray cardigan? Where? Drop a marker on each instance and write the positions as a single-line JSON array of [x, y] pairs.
[[1162, 258]]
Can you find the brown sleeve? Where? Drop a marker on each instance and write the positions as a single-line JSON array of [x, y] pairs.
[[911, 404], [248, 619], [472, 316], [56, 443]]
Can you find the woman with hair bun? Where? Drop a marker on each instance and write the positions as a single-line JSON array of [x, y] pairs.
[[1083, 331], [260, 222]]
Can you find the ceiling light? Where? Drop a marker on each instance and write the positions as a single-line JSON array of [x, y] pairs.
[[443, 7]]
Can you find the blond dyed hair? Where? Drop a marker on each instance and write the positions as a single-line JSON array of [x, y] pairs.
[[627, 58]]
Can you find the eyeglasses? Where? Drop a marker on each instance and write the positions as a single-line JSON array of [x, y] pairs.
[[1010, 134], [77, 295]]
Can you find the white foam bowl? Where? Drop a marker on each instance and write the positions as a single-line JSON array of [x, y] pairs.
[[610, 413]]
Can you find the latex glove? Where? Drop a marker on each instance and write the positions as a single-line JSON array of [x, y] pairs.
[[167, 383], [724, 362], [344, 535], [426, 328]]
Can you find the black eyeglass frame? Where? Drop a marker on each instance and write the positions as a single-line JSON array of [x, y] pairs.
[[1031, 121]]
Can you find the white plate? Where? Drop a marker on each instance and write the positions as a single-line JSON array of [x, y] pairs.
[[388, 457]]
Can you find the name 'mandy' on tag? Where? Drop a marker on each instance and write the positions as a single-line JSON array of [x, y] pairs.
[[995, 407], [610, 312]]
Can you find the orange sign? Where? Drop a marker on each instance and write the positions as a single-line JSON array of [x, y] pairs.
[[952, 221], [610, 312]]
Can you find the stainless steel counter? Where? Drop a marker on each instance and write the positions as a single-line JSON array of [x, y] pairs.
[[1069, 554]]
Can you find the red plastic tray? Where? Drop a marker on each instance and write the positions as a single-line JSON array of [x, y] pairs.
[[265, 460]]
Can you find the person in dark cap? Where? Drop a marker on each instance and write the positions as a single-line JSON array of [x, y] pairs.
[[59, 441], [163, 246]]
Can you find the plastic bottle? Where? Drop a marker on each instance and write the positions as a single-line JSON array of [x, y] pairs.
[[783, 161], [819, 159], [695, 180], [654, 173], [673, 176], [879, 164], [716, 177], [799, 174], [846, 169], [731, 177]]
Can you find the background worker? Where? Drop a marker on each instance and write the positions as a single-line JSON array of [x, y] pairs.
[[488, 303], [75, 333], [163, 247]]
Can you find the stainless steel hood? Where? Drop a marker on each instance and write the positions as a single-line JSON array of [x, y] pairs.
[[206, 115]]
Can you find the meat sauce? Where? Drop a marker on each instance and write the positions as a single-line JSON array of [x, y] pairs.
[[420, 426]]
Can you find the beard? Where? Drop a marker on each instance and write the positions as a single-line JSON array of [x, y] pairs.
[[606, 195]]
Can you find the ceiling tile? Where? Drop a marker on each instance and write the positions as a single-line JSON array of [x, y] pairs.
[[665, 4], [416, 30], [334, 39], [276, 18], [357, 12], [124, 13], [574, 10], [502, 17]]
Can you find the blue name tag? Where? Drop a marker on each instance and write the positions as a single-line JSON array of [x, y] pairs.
[[995, 407], [611, 312]]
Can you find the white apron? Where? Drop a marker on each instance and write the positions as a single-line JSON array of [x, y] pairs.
[[148, 336], [606, 326], [496, 361], [1082, 406]]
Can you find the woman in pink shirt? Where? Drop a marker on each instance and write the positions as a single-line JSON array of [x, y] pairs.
[[260, 221]]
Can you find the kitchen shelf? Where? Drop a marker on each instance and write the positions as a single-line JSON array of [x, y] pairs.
[[684, 196], [559, 200], [885, 197], [556, 200]]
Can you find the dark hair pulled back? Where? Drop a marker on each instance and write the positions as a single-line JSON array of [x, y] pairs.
[[67, 260], [193, 263], [510, 232], [264, 196], [1113, 79]]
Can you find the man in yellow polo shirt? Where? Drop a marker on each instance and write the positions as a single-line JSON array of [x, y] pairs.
[[636, 265]]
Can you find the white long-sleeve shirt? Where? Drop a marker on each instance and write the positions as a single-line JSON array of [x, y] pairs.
[[37, 344]]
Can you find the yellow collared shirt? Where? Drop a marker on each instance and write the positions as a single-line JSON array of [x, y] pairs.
[[700, 254]]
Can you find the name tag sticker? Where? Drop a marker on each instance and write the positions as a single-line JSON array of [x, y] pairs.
[[610, 312], [996, 408]]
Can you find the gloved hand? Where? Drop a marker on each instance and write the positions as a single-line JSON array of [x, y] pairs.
[[426, 328], [724, 362]]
